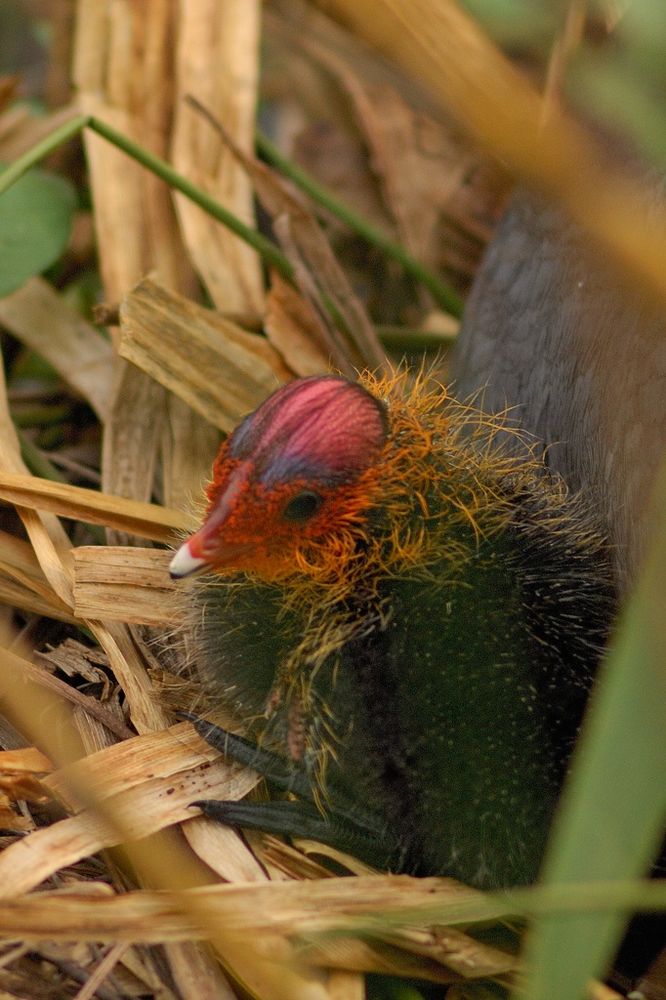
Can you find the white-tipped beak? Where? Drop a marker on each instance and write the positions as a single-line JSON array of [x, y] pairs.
[[184, 563]]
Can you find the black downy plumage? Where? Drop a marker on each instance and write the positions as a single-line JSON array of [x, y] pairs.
[[417, 630]]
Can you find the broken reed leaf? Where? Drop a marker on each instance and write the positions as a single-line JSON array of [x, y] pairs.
[[215, 366], [374, 957], [130, 670], [161, 755], [271, 912], [192, 968], [42, 320], [224, 850], [50, 691], [75, 659], [189, 447], [145, 520], [456, 950], [310, 848], [126, 584], [133, 437], [287, 906]]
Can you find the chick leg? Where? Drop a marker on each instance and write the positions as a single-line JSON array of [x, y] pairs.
[[347, 827]]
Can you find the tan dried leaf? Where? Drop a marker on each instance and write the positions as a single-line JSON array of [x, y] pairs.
[[215, 366], [48, 325], [293, 329]]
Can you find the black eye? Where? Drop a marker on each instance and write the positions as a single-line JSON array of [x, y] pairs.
[[303, 506]]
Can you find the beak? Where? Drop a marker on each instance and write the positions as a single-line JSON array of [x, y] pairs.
[[208, 547], [185, 563]]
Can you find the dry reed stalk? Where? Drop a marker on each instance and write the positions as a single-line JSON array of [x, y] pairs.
[[133, 516], [217, 62], [124, 74], [47, 537], [285, 919]]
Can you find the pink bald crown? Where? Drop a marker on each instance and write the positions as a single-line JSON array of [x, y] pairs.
[[323, 428]]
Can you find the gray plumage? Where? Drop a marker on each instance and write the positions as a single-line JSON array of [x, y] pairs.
[[551, 330]]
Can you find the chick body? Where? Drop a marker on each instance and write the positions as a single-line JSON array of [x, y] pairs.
[[430, 657]]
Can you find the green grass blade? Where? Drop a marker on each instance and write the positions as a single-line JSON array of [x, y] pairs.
[[612, 817], [41, 149], [265, 247]]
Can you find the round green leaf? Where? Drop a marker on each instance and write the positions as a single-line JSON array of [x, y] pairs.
[[35, 223]]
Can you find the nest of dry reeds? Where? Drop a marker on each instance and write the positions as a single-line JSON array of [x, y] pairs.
[[111, 884]]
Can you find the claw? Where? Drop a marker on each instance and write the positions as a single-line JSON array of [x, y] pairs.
[[347, 827]]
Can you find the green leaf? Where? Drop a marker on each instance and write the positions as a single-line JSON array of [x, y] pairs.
[[390, 988], [35, 223], [612, 818]]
